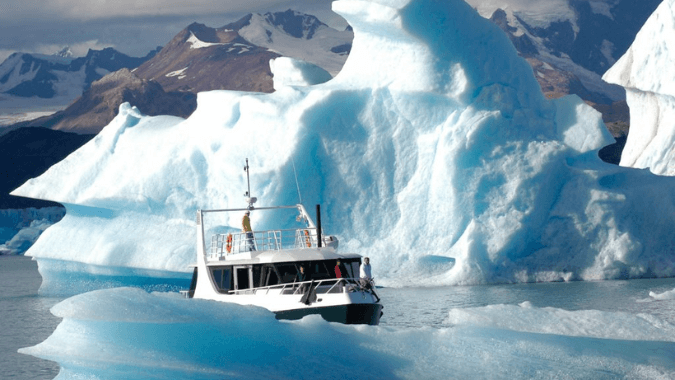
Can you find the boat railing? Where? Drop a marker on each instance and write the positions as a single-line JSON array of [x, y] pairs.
[[270, 240], [326, 286]]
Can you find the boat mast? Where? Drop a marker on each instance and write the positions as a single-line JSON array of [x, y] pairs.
[[251, 200]]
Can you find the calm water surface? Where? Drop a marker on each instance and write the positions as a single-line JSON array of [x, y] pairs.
[[429, 306], [26, 320]]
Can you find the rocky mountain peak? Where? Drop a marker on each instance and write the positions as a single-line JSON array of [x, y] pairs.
[[296, 24], [203, 32], [64, 53]]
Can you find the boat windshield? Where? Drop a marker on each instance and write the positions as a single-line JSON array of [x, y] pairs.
[[285, 273], [227, 278]]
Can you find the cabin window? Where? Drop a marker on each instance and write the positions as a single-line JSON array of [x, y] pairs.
[[288, 273], [352, 268], [222, 278], [320, 271], [242, 278], [269, 276], [257, 277]]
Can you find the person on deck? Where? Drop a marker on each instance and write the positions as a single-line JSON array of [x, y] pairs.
[[338, 272], [301, 275], [365, 273], [246, 227]]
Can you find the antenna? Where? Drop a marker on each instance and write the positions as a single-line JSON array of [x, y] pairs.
[[296, 180], [251, 200]]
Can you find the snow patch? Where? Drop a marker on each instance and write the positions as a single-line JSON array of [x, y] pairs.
[[196, 43], [178, 73], [316, 50]]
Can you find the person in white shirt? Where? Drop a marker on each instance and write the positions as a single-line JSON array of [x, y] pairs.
[[365, 270]]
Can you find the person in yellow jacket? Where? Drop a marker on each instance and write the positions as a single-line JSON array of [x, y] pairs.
[[246, 227]]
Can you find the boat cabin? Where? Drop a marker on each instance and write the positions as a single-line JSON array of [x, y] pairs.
[[230, 279]]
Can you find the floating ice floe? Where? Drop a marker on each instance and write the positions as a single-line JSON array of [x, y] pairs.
[[129, 334]]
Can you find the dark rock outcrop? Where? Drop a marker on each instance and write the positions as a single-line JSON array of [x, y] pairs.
[[99, 105]]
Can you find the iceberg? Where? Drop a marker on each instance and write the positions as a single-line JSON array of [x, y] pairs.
[[646, 71], [433, 152]]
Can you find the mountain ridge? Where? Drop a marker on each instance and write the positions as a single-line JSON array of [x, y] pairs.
[[28, 75]]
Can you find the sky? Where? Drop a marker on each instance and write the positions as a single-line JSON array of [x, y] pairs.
[[134, 27]]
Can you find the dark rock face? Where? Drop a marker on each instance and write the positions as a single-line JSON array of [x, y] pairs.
[[107, 59], [556, 82], [200, 58], [594, 42], [99, 104], [522, 43], [628, 17], [295, 24], [342, 49], [41, 85]]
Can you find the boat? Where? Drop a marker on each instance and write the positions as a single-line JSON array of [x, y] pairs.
[[263, 268]]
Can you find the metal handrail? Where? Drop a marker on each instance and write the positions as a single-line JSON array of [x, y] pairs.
[[268, 240], [298, 285]]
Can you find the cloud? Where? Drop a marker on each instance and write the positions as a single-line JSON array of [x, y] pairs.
[[78, 10], [78, 49], [4, 53]]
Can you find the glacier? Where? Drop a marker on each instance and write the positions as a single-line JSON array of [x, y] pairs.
[[20, 228], [646, 71], [433, 152]]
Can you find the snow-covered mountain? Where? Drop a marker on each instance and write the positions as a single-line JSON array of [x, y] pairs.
[[297, 35], [236, 56], [584, 37], [571, 43], [647, 71], [60, 75], [433, 151], [199, 58]]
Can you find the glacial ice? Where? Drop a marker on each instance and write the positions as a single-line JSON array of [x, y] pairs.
[[549, 320], [433, 143], [646, 71], [669, 295], [20, 228], [126, 333], [294, 72]]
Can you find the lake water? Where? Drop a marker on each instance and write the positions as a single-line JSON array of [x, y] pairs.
[[26, 319]]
